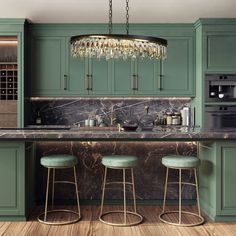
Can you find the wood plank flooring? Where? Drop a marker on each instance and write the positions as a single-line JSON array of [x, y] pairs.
[[90, 225]]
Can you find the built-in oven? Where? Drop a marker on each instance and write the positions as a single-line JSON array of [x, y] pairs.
[[220, 118], [220, 87]]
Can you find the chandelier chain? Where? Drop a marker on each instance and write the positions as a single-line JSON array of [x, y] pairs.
[[127, 16], [110, 16]]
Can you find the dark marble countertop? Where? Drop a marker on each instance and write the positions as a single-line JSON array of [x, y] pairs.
[[34, 134]]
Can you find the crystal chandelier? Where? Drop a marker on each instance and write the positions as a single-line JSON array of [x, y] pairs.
[[114, 46]]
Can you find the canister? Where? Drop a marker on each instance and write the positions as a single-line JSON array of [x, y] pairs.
[[168, 118]]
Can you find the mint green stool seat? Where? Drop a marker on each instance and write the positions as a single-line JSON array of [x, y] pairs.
[[53, 163], [59, 161], [119, 161], [180, 161], [124, 163]]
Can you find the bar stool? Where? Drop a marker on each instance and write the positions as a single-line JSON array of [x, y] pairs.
[[53, 162], [120, 162], [181, 163]]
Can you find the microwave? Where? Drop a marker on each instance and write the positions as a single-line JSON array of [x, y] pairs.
[[220, 118], [220, 87]]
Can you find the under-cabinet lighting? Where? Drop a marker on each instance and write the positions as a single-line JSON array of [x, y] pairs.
[[107, 98], [7, 42]]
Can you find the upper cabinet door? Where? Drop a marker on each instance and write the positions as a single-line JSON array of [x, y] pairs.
[[147, 74], [123, 76], [78, 77], [99, 77], [48, 66], [178, 68], [221, 51]]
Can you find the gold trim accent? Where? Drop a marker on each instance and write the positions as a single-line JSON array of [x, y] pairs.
[[180, 212], [201, 219], [120, 224], [46, 211], [124, 211], [59, 223]]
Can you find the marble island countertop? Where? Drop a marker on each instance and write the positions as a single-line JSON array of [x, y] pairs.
[[67, 134]]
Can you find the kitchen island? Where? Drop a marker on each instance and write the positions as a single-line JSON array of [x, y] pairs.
[[18, 164]]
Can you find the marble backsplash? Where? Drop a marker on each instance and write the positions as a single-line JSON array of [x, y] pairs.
[[69, 112]]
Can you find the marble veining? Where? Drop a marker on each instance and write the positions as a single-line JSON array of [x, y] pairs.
[[69, 112], [104, 135], [149, 174]]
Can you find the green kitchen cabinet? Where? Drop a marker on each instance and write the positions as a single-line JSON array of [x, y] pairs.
[[56, 72], [16, 180], [146, 76], [123, 77], [16, 28], [218, 37], [48, 74], [178, 69], [217, 179], [175, 75], [89, 77], [134, 76]]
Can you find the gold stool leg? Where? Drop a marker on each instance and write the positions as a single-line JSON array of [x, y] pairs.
[[124, 196], [103, 190], [196, 182], [76, 190], [134, 195], [165, 191], [180, 195], [53, 186], [46, 201]]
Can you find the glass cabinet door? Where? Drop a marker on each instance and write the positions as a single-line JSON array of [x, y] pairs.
[[8, 81]]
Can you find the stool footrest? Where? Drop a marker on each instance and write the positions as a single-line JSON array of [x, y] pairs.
[[64, 182], [199, 217], [186, 183], [59, 223], [138, 221]]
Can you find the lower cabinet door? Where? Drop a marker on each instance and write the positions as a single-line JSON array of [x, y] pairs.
[[12, 179], [227, 192]]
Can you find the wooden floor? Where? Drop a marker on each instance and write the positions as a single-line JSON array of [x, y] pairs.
[[89, 225]]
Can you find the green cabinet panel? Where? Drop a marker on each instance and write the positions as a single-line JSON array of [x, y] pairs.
[[8, 159], [99, 78], [217, 179], [147, 72], [83, 77], [216, 44], [17, 176], [48, 66], [123, 77], [178, 68], [77, 76], [228, 177], [221, 51], [12, 170]]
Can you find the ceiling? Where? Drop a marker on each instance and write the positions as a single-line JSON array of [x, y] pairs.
[[96, 11]]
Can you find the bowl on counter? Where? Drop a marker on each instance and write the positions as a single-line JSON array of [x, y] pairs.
[[130, 127]]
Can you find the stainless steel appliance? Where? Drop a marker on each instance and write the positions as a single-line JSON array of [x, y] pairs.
[[220, 118], [219, 87]]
